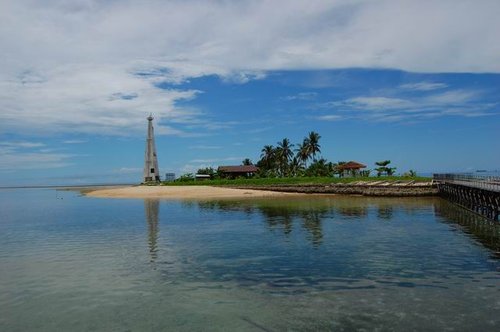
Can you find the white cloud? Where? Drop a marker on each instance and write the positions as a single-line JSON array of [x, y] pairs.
[[23, 155], [22, 144], [302, 96], [93, 66], [84, 99], [331, 117], [423, 86], [390, 109], [455, 97], [75, 141], [376, 103], [33, 160]]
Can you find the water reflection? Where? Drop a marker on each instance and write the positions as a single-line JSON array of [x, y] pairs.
[[481, 229], [385, 212], [278, 217], [273, 265], [282, 214], [311, 221], [353, 211], [312, 213], [152, 207]]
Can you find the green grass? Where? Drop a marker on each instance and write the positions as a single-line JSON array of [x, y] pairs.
[[292, 181]]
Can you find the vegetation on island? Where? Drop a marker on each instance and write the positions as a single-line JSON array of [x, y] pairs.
[[301, 163], [256, 181]]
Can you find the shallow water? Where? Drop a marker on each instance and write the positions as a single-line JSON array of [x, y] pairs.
[[73, 263]]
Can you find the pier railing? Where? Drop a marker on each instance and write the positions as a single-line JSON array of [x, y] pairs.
[[491, 183]]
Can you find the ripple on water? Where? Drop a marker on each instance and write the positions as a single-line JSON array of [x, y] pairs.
[[342, 263]]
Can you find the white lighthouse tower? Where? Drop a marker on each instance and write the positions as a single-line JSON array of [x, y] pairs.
[[151, 171]]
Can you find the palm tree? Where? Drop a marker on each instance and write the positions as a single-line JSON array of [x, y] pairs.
[[296, 167], [320, 167], [283, 155], [268, 156], [303, 152], [313, 144]]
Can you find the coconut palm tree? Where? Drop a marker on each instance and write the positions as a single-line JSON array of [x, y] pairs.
[[320, 167], [268, 156], [283, 155], [303, 152], [296, 167], [313, 144]]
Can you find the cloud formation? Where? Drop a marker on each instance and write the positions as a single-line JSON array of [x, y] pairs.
[[26, 155], [464, 103], [302, 96], [89, 66], [423, 86]]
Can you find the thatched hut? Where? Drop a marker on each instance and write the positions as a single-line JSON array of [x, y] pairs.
[[352, 168]]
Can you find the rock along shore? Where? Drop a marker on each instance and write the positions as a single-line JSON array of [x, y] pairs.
[[376, 188]]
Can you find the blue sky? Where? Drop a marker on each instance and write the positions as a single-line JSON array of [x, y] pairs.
[[223, 79]]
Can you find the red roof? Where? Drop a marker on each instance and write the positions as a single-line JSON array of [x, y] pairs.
[[239, 169], [352, 165]]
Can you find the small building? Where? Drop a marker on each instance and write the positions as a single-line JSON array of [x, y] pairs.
[[202, 177], [233, 172], [169, 177], [352, 168]]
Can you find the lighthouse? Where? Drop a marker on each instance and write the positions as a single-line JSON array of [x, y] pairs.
[[151, 171]]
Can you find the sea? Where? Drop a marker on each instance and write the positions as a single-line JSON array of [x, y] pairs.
[[69, 262]]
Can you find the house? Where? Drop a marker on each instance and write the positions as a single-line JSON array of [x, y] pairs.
[[352, 168], [232, 172]]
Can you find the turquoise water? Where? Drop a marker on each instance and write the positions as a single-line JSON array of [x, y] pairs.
[[74, 263]]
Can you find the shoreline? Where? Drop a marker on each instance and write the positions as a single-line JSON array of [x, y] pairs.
[[206, 192], [184, 192], [380, 188]]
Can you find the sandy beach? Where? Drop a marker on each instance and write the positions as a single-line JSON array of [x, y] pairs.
[[182, 192]]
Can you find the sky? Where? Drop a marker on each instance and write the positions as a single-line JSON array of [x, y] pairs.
[[415, 82]]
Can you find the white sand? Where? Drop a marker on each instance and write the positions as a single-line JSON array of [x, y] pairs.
[[182, 192]]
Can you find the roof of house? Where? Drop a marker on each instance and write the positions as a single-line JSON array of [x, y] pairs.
[[238, 169], [352, 165]]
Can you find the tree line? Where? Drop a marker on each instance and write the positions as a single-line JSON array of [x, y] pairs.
[[302, 159]]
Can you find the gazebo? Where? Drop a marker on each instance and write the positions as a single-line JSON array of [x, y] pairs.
[[352, 167]]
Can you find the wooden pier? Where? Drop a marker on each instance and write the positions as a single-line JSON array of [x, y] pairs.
[[480, 194]]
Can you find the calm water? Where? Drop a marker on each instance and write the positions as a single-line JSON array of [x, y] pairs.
[[72, 263]]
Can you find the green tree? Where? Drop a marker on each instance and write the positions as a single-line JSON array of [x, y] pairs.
[[410, 173], [267, 156], [384, 169], [320, 167], [303, 154], [296, 167], [283, 155], [246, 162], [313, 146], [186, 178]]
